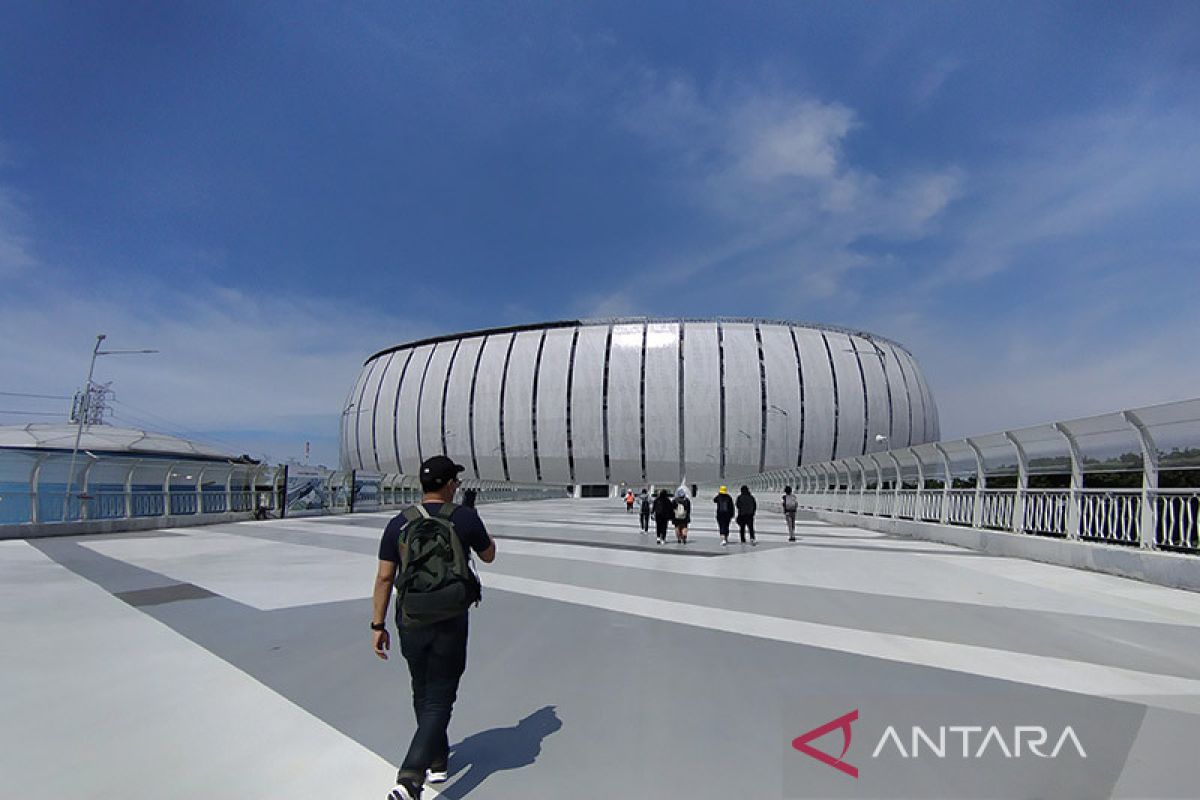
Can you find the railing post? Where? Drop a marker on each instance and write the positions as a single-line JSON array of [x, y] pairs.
[[1018, 520], [862, 487], [167, 490], [878, 483], [945, 511], [129, 488], [34, 479], [229, 490], [84, 505], [282, 492], [919, 501], [897, 486], [980, 485], [200, 491], [1075, 504], [1147, 522]]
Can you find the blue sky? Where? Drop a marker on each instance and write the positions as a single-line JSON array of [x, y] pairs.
[[269, 193]]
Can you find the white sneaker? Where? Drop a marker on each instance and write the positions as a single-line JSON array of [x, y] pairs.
[[437, 776], [403, 791], [724, 542]]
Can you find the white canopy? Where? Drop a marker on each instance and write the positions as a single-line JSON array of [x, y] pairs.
[[104, 438]]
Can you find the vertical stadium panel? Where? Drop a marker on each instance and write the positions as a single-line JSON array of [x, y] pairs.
[[902, 409], [431, 400], [881, 418], [915, 399], [518, 407], [923, 431], [364, 420], [743, 401], [406, 410], [701, 402], [662, 403], [552, 406], [931, 416], [587, 405], [819, 397], [382, 418], [458, 399], [783, 397], [349, 448], [487, 407], [851, 410], [624, 405]]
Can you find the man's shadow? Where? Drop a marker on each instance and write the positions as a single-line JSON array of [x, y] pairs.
[[481, 755]]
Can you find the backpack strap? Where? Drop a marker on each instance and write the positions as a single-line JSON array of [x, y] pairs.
[[447, 510]]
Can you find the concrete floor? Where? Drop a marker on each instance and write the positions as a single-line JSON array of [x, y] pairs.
[[234, 661]]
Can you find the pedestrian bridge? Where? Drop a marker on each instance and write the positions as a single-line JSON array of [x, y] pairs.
[[234, 661]]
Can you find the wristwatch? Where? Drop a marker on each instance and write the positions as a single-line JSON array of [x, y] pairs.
[[379, 626]]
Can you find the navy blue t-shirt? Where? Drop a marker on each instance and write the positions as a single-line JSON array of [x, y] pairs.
[[467, 525]]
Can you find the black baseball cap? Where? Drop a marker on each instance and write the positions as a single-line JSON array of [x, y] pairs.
[[436, 472]]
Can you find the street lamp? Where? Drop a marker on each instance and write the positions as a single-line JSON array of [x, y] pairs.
[[787, 423], [83, 411]]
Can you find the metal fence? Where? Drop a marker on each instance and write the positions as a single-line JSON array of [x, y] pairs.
[[34, 489], [1129, 478]]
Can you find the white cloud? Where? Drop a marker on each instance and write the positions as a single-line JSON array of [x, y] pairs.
[[1077, 180], [789, 139], [15, 247], [780, 199]]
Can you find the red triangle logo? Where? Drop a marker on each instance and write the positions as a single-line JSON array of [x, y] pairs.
[[842, 723]]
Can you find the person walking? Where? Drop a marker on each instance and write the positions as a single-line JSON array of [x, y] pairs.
[[746, 508], [681, 514], [644, 510], [662, 515], [431, 619], [629, 501], [790, 505], [724, 513]]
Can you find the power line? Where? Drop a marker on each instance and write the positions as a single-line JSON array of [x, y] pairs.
[[175, 430], [39, 396]]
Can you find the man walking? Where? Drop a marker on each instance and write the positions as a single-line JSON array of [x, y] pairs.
[[790, 504], [746, 508], [724, 513], [431, 620]]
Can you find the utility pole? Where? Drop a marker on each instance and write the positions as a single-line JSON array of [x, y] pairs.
[[83, 413]]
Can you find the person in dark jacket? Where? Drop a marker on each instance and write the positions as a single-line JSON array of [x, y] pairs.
[[662, 515], [746, 508], [644, 510], [681, 514], [724, 513]]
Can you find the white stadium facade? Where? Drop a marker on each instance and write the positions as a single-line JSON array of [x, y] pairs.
[[635, 401]]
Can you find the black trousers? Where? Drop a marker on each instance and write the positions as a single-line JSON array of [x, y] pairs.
[[645, 520], [746, 521], [660, 524], [723, 525], [436, 656]]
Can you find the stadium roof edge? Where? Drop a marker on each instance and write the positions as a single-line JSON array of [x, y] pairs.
[[571, 323]]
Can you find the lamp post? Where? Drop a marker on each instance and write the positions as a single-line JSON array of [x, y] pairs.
[[82, 412], [787, 424]]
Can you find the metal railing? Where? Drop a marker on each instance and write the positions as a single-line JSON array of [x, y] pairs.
[[948, 482]]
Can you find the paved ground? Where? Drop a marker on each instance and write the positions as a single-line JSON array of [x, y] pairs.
[[234, 661]]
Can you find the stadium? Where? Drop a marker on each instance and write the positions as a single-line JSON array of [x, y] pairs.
[[635, 401]]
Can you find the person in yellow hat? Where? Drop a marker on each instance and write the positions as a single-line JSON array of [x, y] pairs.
[[724, 513]]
